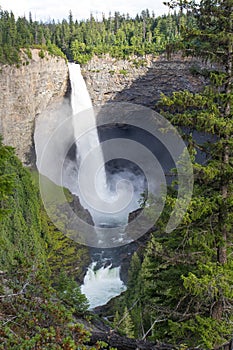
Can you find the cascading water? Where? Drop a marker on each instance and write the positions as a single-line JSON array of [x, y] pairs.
[[86, 138], [101, 285], [85, 130], [87, 141]]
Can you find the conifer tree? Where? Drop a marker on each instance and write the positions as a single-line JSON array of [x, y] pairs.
[[188, 274], [187, 277], [119, 35], [116, 321], [127, 325]]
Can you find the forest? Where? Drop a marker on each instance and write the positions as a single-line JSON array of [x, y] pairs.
[[119, 35], [180, 286]]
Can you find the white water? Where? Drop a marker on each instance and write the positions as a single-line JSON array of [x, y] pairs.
[[102, 285], [85, 131], [84, 125], [99, 285], [105, 205]]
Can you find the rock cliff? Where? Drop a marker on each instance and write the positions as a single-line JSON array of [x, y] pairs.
[[38, 83], [26, 91], [139, 81]]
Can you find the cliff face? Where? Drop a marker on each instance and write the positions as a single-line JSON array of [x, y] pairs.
[[37, 84], [139, 81], [26, 92]]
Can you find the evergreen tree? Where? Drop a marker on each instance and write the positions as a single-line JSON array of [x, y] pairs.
[[69, 291], [127, 325], [7, 180], [116, 321], [134, 294], [33, 314], [187, 275], [120, 35]]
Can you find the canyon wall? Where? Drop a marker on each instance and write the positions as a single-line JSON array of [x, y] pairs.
[[139, 81], [26, 91], [37, 84]]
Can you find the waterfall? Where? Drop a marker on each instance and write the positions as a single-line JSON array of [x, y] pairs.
[[110, 205], [84, 122], [88, 150], [80, 99], [102, 285], [85, 130], [60, 160], [103, 203]]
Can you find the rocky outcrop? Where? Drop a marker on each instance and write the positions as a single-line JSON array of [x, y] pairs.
[[26, 91], [139, 81]]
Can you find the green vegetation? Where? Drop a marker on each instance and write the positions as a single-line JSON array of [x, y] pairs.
[[69, 292], [124, 324], [21, 217], [38, 293], [181, 289], [119, 35], [139, 63], [23, 34], [41, 53], [123, 72], [32, 316]]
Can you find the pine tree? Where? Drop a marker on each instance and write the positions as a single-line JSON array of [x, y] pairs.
[[134, 293], [116, 321], [7, 180], [120, 35], [127, 325], [69, 291], [188, 274]]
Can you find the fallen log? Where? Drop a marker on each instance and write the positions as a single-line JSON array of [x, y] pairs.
[[123, 343]]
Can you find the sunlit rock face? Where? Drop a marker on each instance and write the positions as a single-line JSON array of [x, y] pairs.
[[26, 91], [140, 80]]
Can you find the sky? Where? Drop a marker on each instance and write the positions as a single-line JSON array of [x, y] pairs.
[[81, 9]]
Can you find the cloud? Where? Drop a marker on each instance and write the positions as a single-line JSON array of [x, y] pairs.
[[16, 6], [59, 9], [131, 6]]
